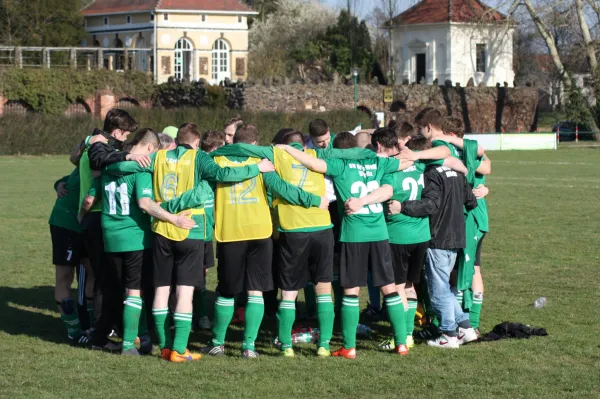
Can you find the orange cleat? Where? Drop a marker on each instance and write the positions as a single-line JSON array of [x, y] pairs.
[[401, 349], [166, 354], [187, 356], [343, 352]]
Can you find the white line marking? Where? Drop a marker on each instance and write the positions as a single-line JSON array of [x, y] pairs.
[[546, 163]]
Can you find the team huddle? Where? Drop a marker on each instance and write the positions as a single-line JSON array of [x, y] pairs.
[[400, 210]]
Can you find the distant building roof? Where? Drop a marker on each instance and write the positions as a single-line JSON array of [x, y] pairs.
[[440, 11], [122, 6]]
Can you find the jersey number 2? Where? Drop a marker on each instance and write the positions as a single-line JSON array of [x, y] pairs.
[[411, 184], [111, 189], [244, 196], [362, 190]]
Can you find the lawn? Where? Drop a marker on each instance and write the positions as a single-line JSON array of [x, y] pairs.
[[545, 221]]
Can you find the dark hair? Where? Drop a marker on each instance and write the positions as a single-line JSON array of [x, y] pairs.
[[232, 121], [344, 140], [165, 141], [455, 125], [246, 134], [144, 136], [405, 130], [318, 128], [119, 119], [418, 143], [212, 139], [278, 139], [294, 136], [386, 137], [429, 116], [187, 133]]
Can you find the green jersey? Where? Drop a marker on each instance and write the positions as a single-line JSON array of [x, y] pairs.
[[86, 178], [453, 150], [481, 212], [125, 226], [403, 229], [356, 179], [64, 213], [209, 208]]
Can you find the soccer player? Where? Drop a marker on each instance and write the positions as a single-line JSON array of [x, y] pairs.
[[305, 237], [230, 127], [179, 253], [362, 186], [128, 203], [166, 142], [243, 229], [363, 139]]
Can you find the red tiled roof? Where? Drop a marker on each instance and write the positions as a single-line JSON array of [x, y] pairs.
[[439, 11], [114, 6]]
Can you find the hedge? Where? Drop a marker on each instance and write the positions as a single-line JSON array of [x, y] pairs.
[[37, 134]]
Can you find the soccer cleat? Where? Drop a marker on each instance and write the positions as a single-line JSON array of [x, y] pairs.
[[81, 341], [146, 347], [346, 353], [444, 341], [387, 345], [430, 332], [110, 346], [165, 353], [289, 352], [187, 356], [213, 350], [466, 335], [322, 352], [410, 342], [130, 352], [371, 314], [204, 323], [113, 334], [401, 350], [249, 354]]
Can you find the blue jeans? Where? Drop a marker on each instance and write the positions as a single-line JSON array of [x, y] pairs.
[[438, 266]]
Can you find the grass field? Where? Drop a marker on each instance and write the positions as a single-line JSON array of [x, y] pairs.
[[545, 221]]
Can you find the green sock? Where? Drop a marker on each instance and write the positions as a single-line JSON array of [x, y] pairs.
[[143, 325], [410, 317], [286, 315], [337, 292], [71, 322], [255, 310], [131, 320], [223, 314], [350, 316], [395, 311], [183, 327], [200, 303], [475, 311], [163, 330], [310, 299], [326, 316]]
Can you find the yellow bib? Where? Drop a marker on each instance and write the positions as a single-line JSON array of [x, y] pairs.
[[241, 209], [172, 177], [293, 217]]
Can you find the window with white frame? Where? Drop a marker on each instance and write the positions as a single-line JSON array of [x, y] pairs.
[[203, 17], [166, 17], [480, 57], [129, 19], [105, 21], [151, 17], [183, 59], [220, 60], [240, 19]]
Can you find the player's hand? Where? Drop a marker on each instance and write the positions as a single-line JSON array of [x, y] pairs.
[[353, 205], [266, 166], [324, 203], [98, 138], [142, 160], [283, 147], [481, 191], [61, 190], [184, 221], [408, 155], [395, 207]]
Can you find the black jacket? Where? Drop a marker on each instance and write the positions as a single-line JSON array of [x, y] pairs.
[[104, 154], [442, 199]]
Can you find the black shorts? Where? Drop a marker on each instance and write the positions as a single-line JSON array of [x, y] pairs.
[[245, 265], [304, 257], [134, 267], [357, 258], [478, 253], [67, 247], [408, 260], [209, 254], [334, 214], [178, 262]]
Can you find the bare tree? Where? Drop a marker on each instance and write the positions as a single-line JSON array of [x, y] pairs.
[[391, 8]]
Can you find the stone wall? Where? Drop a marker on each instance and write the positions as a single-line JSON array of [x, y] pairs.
[[487, 109]]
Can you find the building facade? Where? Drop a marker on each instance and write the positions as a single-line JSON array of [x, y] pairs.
[[185, 39], [453, 40]]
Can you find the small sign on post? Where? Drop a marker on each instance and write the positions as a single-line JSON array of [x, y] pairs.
[[388, 95]]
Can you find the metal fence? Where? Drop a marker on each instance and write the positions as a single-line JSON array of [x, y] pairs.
[[82, 58]]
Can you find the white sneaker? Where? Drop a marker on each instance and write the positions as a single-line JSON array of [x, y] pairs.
[[444, 341], [466, 335]]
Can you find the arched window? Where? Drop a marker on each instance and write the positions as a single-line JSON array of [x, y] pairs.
[[220, 61], [183, 59]]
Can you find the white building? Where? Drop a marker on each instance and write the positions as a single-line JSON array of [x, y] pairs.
[[453, 40]]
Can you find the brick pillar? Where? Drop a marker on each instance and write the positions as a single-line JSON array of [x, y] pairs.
[[105, 101]]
